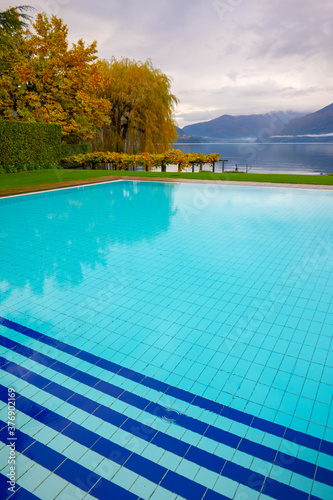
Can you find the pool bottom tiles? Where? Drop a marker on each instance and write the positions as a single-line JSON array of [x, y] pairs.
[[168, 341], [90, 428]]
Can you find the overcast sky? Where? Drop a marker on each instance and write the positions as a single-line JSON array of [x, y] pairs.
[[224, 56]]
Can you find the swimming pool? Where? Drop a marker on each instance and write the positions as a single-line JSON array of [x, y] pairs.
[[168, 341]]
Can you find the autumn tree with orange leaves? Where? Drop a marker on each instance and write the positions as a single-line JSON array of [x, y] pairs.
[[48, 81], [122, 105]]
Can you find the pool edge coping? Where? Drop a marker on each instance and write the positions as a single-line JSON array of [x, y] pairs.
[[101, 180]]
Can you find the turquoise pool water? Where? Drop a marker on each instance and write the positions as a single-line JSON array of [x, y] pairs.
[[168, 341]]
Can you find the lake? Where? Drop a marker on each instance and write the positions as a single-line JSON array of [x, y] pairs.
[[270, 158]]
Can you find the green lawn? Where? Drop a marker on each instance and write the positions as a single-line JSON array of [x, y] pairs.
[[34, 178]]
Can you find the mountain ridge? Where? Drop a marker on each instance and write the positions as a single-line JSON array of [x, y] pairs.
[[228, 127], [276, 126], [318, 123]]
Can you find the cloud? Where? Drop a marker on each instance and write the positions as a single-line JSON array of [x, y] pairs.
[[224, 56], [298, 28]]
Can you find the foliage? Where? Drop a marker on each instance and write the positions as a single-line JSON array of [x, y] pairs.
[[122, 161], [49, 82], [14, 18], [27, 146], [12, 23], [75, 149], [42, 79], [140, 108], [33, 166], [212, 158]]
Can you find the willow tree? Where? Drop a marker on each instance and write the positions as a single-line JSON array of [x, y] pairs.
[[141, 106], [13, 20]]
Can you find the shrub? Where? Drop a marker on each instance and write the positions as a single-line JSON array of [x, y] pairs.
[[12, 169], [29, 146], [75, 149], [123, 161]]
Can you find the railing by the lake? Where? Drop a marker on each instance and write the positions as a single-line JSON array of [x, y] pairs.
[[217, 167]]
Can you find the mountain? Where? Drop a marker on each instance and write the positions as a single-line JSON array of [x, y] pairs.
[[314, 124], [184, 138], [227, 127]]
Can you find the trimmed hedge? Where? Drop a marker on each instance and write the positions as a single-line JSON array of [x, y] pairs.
[[75, 149], [29, 146]]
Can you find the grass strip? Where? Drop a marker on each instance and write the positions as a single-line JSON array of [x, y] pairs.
[[55, 176]]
